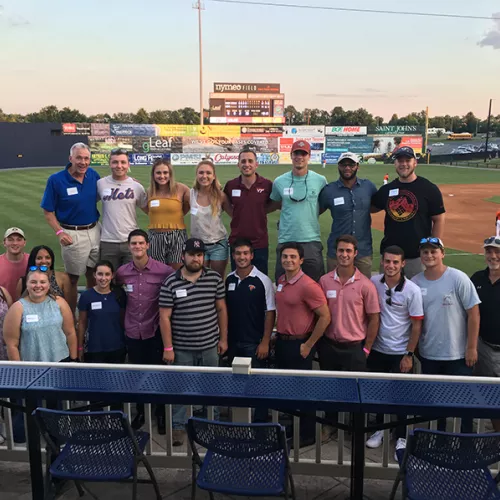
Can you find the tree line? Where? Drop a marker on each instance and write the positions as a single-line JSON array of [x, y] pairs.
[[308, 116]]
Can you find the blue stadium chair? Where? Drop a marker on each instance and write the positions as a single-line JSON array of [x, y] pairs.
[[444, 466], [96, 447], [241, 459]]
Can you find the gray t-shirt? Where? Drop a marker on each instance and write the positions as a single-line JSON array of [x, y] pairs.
[[446, 301], [119, 201]]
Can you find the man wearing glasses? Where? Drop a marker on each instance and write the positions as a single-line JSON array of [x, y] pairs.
[[487, 283], [297, 194], [448, 344], [348, 200], [401, 315], [120, 195]]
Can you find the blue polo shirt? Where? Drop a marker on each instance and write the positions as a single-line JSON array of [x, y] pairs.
[[350, 209], [74, 202]]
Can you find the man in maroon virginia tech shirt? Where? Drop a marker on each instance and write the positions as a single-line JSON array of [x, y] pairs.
[[249, 195]]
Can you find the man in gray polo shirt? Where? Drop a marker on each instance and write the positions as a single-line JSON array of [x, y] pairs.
[[349, 201], [193, 319]]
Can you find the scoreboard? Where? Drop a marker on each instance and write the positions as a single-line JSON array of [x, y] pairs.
[[247, 107]]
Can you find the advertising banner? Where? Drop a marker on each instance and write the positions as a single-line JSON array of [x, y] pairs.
[[147, 159], [258, 88], [99, 159], [346, 130], [300, 131], [198, 130], [358, 145], [256, 130], [285, 143], [187, 158], [130, 129], [157, 144], [396, 130], [106, 144], [386, 144], [316, 158], [100, 129], [268, 158], [229, 144], [225, 158], [76, 129], [332, 158]]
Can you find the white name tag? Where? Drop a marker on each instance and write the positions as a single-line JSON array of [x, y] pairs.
[[424, 291], [338, 201], [231, 287], [331, 294], [236, 192], [106, 192], [288, 191], [280, 287], [181, 293], [194, 211], [394, 192], [72, 191], [129, 288], [96, 305], [31, 318], [154, 203]]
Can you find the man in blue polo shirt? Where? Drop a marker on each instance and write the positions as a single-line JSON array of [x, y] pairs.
[[69, 205], [349, 201]]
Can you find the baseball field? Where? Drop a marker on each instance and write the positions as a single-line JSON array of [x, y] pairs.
[[471, 198]]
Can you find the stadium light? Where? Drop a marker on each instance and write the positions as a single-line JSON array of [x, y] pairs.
[[487, 133], [199, 6]]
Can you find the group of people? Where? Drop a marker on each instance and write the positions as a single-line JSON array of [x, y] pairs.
[[161, 297]]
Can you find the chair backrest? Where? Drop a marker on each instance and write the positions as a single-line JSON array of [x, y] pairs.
[[455, 451], [81, 428], [237, 440]]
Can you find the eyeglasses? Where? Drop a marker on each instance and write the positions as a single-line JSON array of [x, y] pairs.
[[119, 151], [433, 240], [388, 301], [43, 269], [291, 190], [492, 239]]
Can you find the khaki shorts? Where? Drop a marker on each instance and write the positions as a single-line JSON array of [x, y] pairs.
[[83, 252]]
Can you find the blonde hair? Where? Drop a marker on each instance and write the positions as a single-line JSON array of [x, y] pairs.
[[215, 192], [153, 185]]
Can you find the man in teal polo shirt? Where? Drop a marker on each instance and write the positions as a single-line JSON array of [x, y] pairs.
[[297, 193]]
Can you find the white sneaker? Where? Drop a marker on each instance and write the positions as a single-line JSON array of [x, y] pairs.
[[400, 445], [376, 440]]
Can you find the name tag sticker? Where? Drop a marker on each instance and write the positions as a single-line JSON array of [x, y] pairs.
[[194, 211], [236, 192], [72, 191], [231, 287], [32, 318], [331, 294], [424, 291], [338, 201], [154, 203], [280, 287], [181, 293], [96, 305], [288, 191], [106, 192], [394, 192], [129, 288]]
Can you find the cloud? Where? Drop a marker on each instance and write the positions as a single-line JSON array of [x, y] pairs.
[[12, 20], [492, 38]]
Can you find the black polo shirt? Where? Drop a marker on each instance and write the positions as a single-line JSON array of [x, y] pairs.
[[247, 302], [489, 293]]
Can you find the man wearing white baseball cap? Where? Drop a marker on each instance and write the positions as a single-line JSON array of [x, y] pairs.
[[348, 200], [14, 261]]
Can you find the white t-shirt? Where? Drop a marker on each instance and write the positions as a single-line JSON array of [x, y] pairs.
[[446, 301], [119, 202], [204, 225], [395, 319]]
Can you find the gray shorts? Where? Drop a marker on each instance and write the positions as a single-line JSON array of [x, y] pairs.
[[488, 360], [117, 253]]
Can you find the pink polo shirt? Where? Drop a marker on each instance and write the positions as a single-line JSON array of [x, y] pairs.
[[349, 306], [296, 301]]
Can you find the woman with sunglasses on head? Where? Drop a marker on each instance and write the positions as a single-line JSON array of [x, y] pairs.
[[102, 314], [40, 326], [60, 285], [207, 203], [168, 203]]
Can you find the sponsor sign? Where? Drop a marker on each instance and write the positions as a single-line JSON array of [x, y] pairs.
[[76, 128], [147, 159], [187, 158], [106, 144], [304, 131], [396, 130], [331, 157], [358, 145], [157, 144], [268, 158], [198, 130], [285, 143], [101, 129], [316, 158], [386, 144], [346, 130], [99, 159], [131, 129], [217, 107], [229, 144], [259, 88], [255, 130], [225, 158]]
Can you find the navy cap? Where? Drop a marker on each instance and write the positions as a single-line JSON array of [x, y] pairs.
[[194, 245], [405, 151]]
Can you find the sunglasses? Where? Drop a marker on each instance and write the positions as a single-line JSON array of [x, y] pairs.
[[119, 151], [492, 239], [388, 301], [433, 240], [43, 269]]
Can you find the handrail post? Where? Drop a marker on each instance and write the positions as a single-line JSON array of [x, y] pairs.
[[242, 366]]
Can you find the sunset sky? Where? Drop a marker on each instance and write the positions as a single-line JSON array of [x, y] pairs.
[[119, 55]]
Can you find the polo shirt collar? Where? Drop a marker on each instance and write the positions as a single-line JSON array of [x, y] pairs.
[[258, 180], [487, 277], [179, 276], [147, 266], [295, 278], [340, 184], [69, 176], [355, 277], [252, 273]]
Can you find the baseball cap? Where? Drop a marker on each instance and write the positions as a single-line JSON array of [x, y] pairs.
[[194, 245], [432, 242], [301, 146], [14, 230], [492, 241], [405, 151], [349, 156]]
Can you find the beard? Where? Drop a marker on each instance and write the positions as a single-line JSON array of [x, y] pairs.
[[193, 268]]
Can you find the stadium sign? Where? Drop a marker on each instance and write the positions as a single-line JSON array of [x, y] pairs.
[[347, 130], [304, 131], [260, 88], [76, 128], [397, 129]]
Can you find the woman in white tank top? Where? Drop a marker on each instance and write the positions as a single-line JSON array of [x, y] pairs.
[[207, 202]]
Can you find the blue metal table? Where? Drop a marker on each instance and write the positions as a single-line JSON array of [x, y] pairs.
[[15, 380]]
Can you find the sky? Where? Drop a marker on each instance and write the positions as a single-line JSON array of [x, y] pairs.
[[119, 55]]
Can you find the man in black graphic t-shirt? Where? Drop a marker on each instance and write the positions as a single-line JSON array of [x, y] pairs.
[[414, 209]]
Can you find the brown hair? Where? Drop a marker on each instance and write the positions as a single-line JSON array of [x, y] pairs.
[[347, 238], [49, 292], [215, 188], [153, 185]]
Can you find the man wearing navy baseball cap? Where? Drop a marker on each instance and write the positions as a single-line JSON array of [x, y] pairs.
[[414, 208]]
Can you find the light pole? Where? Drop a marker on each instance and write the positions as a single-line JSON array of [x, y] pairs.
[[199, 6], [487, 133]]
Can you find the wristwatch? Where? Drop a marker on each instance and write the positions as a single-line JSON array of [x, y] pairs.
[[409, 354]]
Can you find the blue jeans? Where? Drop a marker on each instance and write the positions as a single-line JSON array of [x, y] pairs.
[[260, 260], [208, 357]]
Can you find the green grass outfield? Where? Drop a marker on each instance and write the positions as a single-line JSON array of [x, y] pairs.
[[21, 191]]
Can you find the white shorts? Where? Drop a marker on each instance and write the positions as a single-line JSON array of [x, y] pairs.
[[83, 252]]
